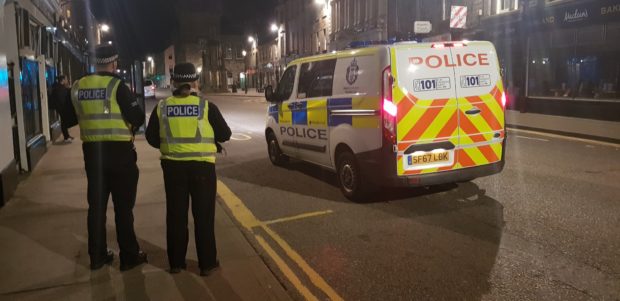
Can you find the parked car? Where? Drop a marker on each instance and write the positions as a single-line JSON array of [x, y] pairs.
[[149, 89]]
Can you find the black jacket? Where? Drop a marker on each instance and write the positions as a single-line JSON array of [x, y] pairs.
[[220, 128], [58, 98], [131, 111]]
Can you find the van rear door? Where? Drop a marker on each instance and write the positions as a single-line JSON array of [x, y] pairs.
[[481, 103], [424, 92]]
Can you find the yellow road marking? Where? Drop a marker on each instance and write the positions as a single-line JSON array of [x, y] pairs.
[[296, 217], [249, 221], [286, 270], [565, 137]]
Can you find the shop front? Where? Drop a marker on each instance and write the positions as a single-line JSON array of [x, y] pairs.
[[573, 66]]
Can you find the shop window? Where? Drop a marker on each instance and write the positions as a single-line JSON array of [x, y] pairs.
[[30, 98], [590, 35], [565, 37], [316, 79], [585, 71]]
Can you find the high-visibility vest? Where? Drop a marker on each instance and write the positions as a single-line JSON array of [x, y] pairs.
[[185, 131], [99, 116]]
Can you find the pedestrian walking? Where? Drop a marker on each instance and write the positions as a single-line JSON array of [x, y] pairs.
[[108, 115], [187, 130], [58, 102]]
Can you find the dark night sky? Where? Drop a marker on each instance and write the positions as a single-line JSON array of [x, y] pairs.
[[140, 27]]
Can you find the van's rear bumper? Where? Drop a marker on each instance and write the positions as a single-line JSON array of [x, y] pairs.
[[373, 166]]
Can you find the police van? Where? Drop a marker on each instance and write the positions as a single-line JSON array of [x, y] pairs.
[[404, 114]]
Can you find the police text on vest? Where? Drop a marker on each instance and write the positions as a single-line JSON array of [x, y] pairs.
[[92, 94], [183, 111]]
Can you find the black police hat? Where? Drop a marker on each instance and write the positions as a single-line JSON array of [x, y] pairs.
[[105, 54], [184, 73]]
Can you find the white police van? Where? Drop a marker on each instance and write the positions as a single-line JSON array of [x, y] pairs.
[[405, 114]]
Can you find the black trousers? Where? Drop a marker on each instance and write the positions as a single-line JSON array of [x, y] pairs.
[[182, 180], [111, 169], [63, 125]]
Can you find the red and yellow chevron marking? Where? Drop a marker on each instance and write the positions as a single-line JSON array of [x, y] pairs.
[[437, 120]]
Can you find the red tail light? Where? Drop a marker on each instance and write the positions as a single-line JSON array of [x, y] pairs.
[[504, 100], [390, 110]]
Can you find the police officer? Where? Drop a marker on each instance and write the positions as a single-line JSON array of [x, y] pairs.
[[108, 115], [187, 130]]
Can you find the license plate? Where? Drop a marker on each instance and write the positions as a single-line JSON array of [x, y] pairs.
[[422, 160]]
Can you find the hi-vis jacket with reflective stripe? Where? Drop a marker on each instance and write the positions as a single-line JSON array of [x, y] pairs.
[[99, 115], [184, 129]]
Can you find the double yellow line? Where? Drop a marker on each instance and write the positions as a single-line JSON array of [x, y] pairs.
[[247, 219]]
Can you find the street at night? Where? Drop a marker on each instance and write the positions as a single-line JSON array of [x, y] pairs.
[[246, 150]]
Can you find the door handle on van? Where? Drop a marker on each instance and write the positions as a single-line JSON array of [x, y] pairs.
[[473, 111]]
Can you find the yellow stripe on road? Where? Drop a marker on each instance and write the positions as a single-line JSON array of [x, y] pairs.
[[247, 219], [296, 217], [286, 270]]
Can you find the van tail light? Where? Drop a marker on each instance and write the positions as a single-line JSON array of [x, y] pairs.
[[390, 110], [504, 100]]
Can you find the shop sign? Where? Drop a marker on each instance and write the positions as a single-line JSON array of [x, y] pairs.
[[578, 14]]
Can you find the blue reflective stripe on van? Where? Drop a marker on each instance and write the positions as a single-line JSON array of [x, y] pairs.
[[300, 114], [340, 104], [273, 112]]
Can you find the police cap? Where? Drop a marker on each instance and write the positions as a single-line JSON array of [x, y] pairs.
[[105, 54], [184, 73]]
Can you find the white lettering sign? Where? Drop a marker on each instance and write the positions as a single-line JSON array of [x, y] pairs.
[[577, 15]]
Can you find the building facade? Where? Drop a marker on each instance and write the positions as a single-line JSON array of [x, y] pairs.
[[39, 42], [557, 56]]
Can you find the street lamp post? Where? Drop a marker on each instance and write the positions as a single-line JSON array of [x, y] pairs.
[[245, 79], [253, 40]]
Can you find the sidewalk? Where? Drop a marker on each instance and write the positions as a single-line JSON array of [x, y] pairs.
[[43, 243], [608, 131]]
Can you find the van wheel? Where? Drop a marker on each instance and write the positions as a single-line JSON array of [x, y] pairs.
[[275, 154], [350, 178]]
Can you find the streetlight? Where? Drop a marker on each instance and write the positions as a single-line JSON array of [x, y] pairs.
[[319, 2], [244, 53], [199, 69], [274, 27], [254, 41], [150, 58], [105, 27], [109, 42]]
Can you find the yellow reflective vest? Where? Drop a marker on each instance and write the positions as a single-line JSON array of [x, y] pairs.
[[185, 131], [99, 116]]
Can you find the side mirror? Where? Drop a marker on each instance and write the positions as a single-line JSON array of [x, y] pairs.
[[269, 95]]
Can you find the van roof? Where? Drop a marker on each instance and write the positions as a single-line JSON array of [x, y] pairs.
[[371, 50], [340, 54]]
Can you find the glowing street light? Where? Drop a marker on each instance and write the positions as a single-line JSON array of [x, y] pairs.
[[319, 2], [105, 27], [244, 53], [274, 27], [150, 59], [109, 42], [251, 39], [199, 69]]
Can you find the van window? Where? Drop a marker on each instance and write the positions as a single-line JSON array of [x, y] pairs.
[[316, 79], [285, 87]]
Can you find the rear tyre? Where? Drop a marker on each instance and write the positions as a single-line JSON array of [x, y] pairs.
[[350, 178], [275, 154]]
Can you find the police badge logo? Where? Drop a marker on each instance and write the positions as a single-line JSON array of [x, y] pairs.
[[352, 72]]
